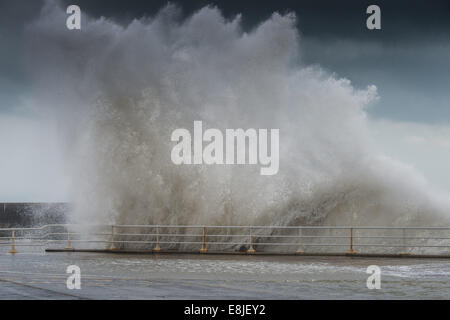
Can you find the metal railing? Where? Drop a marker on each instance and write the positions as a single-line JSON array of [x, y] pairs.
[[246, 239]]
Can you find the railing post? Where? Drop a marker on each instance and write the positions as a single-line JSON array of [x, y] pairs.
[[13, 246], [351, 251], [157, 247], [69, 245], [403, 242], [204, 249], [300, 249], [251, 249], [112, 246]]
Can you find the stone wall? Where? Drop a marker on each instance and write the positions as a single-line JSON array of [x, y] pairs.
[[32, 214]]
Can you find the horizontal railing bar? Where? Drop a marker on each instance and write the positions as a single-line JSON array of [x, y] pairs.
[[400, 246], [35, 228], [247, 235], [235, 243], [230, 227], [222, 235], [161, 234], [232, 235], [279, 227]]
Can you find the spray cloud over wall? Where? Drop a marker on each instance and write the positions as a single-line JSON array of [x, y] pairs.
[[117, 93]]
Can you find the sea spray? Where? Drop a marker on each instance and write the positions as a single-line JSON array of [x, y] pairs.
[[119, 92]]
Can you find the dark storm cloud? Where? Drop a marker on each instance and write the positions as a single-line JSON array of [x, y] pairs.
[[402, 19], [13, 17], [407, 59]]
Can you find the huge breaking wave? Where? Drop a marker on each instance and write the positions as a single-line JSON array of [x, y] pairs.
[[117, 92]]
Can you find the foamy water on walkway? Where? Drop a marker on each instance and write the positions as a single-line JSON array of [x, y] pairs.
[[117, 276]]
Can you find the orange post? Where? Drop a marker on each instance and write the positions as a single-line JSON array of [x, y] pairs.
[[157, 247], [204, 249], [351, 251], [251, 249], [112, 246], [13, 245], [69, 245]]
